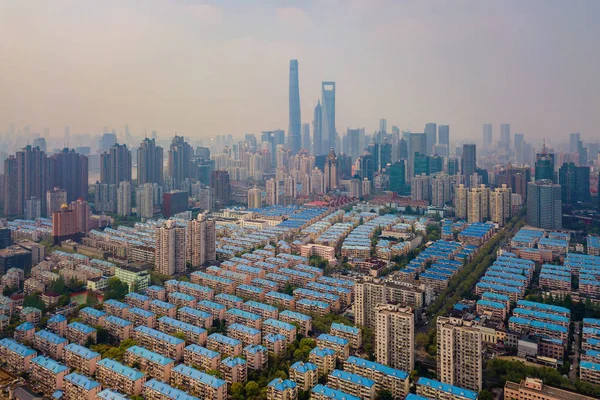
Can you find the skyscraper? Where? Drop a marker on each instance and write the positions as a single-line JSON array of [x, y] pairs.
[[478, 203], [574, 182], [10, 181], [544, 166], [294, 105], [124, 198], [272, 189], [222, 187], [254, 198], [64, 225], [505, 136], [150, 162], [500, 206], [202, 246], [171, 248], [544, 204], [82, 211], [70, 172], [519, 139], [460, 353], [115, 165], [398, 176], [331, 171], [461, 194], [487, 136], [318, 130], [444, 138], [394, 336], [33, 176], [417, 144], [328, 121], [469, 160], [441, 189], [353, 137], [306, 137], [55, 198], [431, 137], [180, 157], [105, 198]]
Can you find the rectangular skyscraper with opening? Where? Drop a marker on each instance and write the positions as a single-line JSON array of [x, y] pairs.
[[328, 121]]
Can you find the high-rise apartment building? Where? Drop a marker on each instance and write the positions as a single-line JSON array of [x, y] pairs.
[[544, 204], [115, 165], [64, 225], [460, 353], [272, 189], [431, 137], [331, 171], [328, 122], [202, 237], [70, 172], [369, 292], [500, 205], [294, 109], [144, 200], [222, 188], [170, 252], [461, 194], [318, 130], [478, 203], [105, 199], [33, 177], [469, 160], [82, 211], [395, 336], [54, 199], [420, 187], [150, 163], [124, 199], [441, 189], [180, 157], [10, 181], [254, 198]]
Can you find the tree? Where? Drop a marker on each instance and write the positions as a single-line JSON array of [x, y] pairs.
[[252, 389], [33, 300], [91, 300], [485, 395], [237, 391], [58, 286], [384, 394], [116, 289]]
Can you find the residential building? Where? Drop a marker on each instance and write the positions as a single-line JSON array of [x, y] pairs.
[[198, 383], [385, 377], [532, 388], [353, 384], [394, 336], [47, 375], [15, 357], [234, 369], [81, 358], [170, 255], [279, 389], [153, 364], [78, 386], [157, 390], [304, 374], [460, 353], [114, 375], [432, 389], [201, 357], [158, 341]]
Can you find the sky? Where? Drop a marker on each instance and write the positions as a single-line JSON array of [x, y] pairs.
[[202, 68]]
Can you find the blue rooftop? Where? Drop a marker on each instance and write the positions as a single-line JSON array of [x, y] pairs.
[[199, 376], [353, 378], [57, 319], [211, 304], [303, 367], [225, 339], [194, 348], [54, 366], [82, 351], [244, 314], [78, 326], [121, 369], [168, 391], [162, 304], [108, 394], [16, 347], [150, 355], [182, 325], [245, 329], [50, 336], [281, 384], [378, 367], [25, 326], [589, 365], [538, 324], [322, 351], [333, 393], [111, 319], [159, 335], [279, 324], [93, 312], [333, 339], [255, 348], [345, 328], [233, 361], [444, 387], [542, 306], [82, 381]]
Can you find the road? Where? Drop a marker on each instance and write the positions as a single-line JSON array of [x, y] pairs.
[[576, 347]]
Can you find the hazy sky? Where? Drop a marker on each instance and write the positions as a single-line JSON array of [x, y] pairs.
[[212, 67]]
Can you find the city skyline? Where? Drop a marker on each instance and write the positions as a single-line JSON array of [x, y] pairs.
[[167, 74]]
